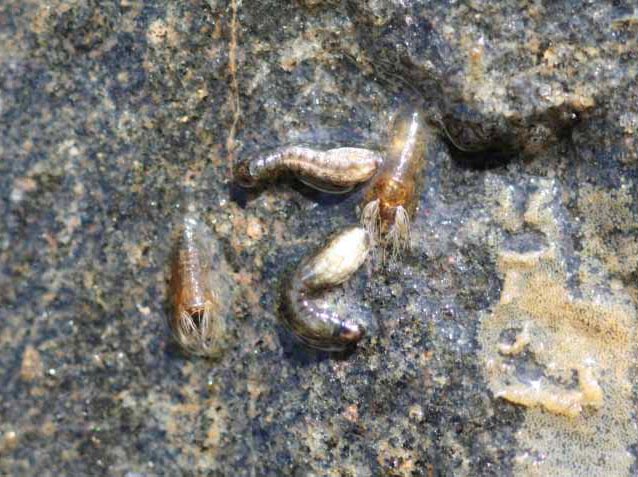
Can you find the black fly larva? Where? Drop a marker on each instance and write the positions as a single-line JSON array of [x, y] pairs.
[[335, 170], [316, 326]]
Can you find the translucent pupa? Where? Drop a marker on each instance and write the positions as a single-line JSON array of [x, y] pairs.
[[335, 170], [391, 199], [315, 325], [198, 290]]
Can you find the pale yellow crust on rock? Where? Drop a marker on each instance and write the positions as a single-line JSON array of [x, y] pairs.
[[580, 412]]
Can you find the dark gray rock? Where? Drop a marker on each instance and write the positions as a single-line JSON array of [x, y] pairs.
[[115, 115], [502, 76]]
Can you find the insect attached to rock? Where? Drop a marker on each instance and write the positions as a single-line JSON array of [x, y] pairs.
[[390, 202], [335, 171], [198, 290], [391, 199], [315, 325]]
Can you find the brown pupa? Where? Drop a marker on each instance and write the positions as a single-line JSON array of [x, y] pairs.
[[198, 290], [392, 197]]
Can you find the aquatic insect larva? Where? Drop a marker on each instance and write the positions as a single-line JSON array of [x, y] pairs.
[[391, 199], [197, 290], [316, 326], [335, 170]]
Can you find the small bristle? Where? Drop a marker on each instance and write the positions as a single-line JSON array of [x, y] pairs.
[[400, 231], [371, 220]]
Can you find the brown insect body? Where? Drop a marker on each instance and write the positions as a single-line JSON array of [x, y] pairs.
[[391, 199], [198, 315], [313, 324], [335, 170]]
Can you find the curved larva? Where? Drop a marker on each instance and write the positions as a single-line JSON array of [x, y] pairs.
[[317, 326], [335, 170], [199, 307], [392, 197]]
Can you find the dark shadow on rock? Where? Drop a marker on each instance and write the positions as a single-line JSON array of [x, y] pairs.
[[296, 352], [300, 355], [480, 160], [241, 195], [172, 350], [321, 198]]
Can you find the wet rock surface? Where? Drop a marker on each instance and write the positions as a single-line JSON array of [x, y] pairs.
[[117, 115], [501, 75]]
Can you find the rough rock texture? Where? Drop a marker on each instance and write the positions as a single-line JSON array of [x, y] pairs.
[[116, 114], [503, 75]]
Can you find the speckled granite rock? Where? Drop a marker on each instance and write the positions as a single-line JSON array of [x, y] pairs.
[[503, 75], [116, 114]]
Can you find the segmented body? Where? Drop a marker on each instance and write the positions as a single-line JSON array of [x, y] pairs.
[[391, 199], [314, 325], [197, 320], [335, 170]]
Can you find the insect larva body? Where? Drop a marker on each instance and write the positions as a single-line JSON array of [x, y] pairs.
[[335, 170], [392, 197], [318, 326], [198, 319]]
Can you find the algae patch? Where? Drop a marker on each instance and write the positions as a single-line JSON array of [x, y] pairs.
[[610, 232], [563, 352]]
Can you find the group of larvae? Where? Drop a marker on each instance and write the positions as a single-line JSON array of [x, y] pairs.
[[392, 180]]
